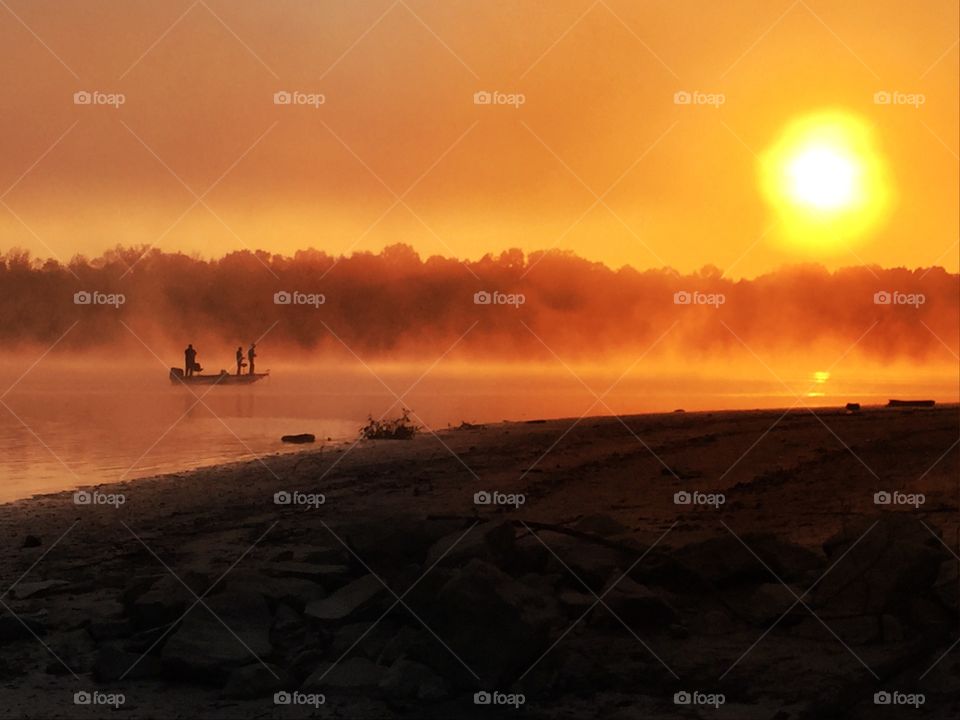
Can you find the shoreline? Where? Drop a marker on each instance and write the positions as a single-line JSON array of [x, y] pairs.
[[359, 446]]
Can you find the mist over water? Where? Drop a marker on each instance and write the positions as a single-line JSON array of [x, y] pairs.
[[71, 423]]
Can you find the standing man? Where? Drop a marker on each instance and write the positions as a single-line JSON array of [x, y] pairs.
[[239, 359], [189, 360], [251, 354]]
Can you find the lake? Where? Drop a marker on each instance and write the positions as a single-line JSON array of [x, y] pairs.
[[71, 424]]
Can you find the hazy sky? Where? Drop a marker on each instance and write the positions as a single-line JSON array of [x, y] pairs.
[[678, 183]]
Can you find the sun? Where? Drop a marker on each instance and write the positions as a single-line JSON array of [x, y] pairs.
[[826, 180]]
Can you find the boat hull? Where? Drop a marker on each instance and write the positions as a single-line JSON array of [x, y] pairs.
[[177, 377]]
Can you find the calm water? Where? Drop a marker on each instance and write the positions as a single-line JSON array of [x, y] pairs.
[[66, 426]]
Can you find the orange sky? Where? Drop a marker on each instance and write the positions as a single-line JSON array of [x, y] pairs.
[[398, 80]]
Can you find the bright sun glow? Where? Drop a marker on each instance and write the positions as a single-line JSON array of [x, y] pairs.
[[826, 180]]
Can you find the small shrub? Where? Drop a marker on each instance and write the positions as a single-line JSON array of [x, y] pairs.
[[397, 429]]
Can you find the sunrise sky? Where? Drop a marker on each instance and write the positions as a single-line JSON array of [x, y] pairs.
[[678, 184]]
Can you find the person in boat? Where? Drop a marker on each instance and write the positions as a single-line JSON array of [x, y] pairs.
[[240, 362], [251, 354], [189, 360]]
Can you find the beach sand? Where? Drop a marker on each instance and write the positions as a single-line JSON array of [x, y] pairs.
[[783, 588]]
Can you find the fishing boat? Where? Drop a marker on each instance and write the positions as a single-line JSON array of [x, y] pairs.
[[177, 377]]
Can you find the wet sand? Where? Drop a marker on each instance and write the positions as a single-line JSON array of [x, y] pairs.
[[594, 594]]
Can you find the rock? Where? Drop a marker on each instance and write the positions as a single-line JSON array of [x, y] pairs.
[[576, 602], [408, 641], [111, 664], [101, 630], [764, 603], [326, 575], [947, 585], [493, 622], [399, 540], [883, 572], [860, 630], [492, 541], [356, 674], [74, 649], [891, 631], [25, 590], [599, 524], [19, 628], [293, 591], [298, 439], [255, 681], [725, 561], [350, 601], [203, 648], [637, 606], [360, 639], [591, 563], [164, 601], [410, 680], [31, 541]]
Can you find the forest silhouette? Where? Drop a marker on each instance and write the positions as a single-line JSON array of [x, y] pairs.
[[396, 303]]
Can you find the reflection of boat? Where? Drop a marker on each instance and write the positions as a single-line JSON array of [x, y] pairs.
[[177, 377]]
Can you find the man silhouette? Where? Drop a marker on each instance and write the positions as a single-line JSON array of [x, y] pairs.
[[189, 360], [251, 355], [239, 359]]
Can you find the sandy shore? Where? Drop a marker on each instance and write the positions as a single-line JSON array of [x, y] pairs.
[[584, 586]]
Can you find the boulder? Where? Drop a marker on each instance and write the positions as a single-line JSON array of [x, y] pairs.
[[109, 629], [636, 605], [24, 590], [410, 680], [884, 570], [326, 575], [724, 561], [162, 601], [19, 628], [494, 623], [204, 648], [492, 541], [74, 649], [351, 601], [293, 591]]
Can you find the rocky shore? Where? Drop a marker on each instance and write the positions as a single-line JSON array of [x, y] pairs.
[[763, 564]]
